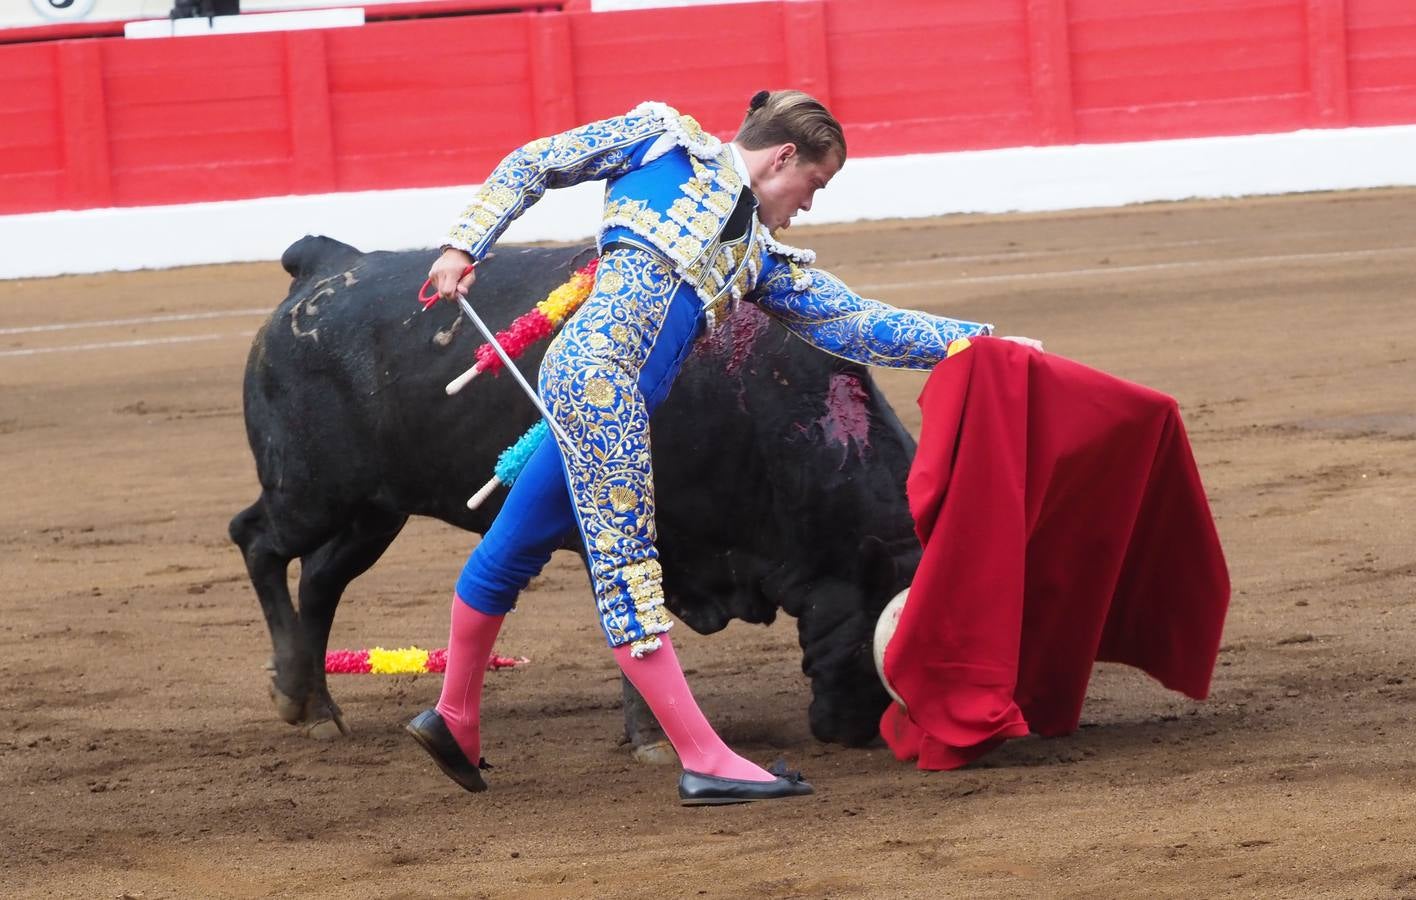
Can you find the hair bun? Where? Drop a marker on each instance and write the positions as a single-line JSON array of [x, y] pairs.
[[758, 100]]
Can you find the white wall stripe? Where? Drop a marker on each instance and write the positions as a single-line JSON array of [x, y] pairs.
[[1285, 237], [1016, 179], [141, 320], [1217, 263], [109, 345]]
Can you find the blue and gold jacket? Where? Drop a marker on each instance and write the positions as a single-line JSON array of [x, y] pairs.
[[674, 190]]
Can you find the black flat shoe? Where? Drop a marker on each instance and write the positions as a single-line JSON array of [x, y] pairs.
[[696, 789], [430, 731]]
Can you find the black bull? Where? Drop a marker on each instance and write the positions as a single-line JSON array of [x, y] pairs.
[[780, 470]]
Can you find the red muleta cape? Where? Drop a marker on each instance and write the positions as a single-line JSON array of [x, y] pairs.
[[1063, 522]]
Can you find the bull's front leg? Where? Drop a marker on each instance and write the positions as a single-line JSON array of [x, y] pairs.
[[646, 739], [324, 575], [847, 698], [321, 717]]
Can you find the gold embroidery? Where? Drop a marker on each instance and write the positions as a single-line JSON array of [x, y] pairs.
[[716, 309], [700, 171], [499, 195], [636, 574], [706, 225], [691, 127], [593, 151], [622, 498], [686, 247], [599, 392], [610, 282], [682, 209], [610, 477], [720, 202]]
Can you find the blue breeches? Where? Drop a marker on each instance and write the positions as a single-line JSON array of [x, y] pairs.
[[607, 370]]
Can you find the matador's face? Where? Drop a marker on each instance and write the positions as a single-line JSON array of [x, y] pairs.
[[789, 186]]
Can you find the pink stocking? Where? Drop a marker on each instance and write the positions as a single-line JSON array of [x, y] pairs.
[[469, 647], [659, 677]]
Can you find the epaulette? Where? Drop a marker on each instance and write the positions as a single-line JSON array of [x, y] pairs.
[[685, 130]]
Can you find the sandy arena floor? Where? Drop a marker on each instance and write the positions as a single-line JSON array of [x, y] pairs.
[[140, 757]]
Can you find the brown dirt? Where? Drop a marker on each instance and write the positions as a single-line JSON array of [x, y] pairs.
[[140, 756]]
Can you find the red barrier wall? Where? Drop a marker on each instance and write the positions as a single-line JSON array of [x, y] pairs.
[[426, 102]]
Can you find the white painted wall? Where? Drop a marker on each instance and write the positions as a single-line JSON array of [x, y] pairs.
[[616, 5], [199, 26], [28, 13], [993, 181]]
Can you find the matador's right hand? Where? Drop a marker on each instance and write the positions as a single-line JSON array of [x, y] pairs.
[[452, 273], [1025, 341]]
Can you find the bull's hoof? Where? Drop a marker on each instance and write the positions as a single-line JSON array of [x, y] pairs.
[[326, 729], [290, 710], [659, 753], [317, 716], [324, 720]]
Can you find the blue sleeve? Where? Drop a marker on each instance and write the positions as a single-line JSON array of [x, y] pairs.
[[818, 308], [591, 152]]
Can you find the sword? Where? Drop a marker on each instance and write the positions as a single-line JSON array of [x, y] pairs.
[[471, 313]]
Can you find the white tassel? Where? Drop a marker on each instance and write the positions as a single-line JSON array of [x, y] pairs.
[[484, 493], [795, 254]]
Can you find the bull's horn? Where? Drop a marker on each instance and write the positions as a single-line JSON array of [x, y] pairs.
[[884, 630]]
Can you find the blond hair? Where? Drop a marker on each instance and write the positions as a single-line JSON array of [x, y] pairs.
[[792, 117]]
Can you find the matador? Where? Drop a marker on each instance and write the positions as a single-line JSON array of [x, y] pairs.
[[686, 234]]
